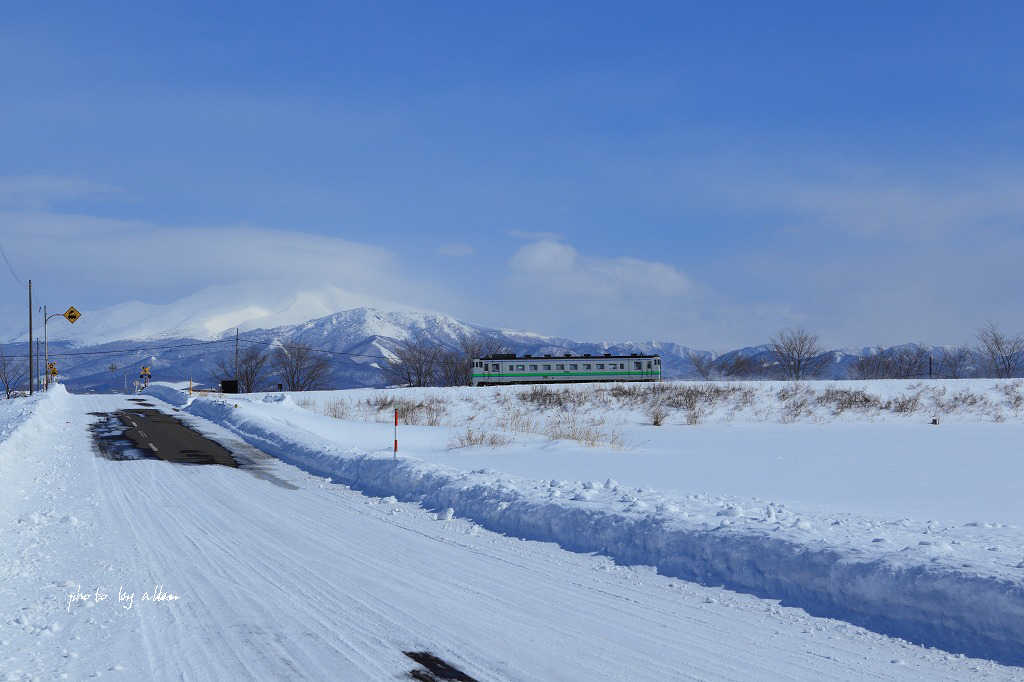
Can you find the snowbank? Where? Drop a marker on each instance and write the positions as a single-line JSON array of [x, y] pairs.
[[904, 578], [21, 422]]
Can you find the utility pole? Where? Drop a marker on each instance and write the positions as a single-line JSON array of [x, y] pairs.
[[31, 381], [236, 353]]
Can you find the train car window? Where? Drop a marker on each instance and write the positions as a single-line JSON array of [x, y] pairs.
[[511, 368], [520, 368], [560, 368], [648, 364], [574, 367], [547, 367], [494, 368], [600, 365], [533, 368], [586, 366], [636, 365]]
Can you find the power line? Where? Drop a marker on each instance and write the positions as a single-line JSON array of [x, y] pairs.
[[139, 349], [13, 274], [318, 350], [125, 351]]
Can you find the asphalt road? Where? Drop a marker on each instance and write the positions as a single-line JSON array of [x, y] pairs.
[[169, 439]]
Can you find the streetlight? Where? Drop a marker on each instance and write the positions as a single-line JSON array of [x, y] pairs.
[[70, 315]]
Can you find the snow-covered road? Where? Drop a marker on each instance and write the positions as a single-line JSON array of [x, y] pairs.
[[282, 575]]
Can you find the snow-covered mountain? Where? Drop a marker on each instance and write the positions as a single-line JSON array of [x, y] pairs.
[[188, 338], [214, 311], [359, 341]]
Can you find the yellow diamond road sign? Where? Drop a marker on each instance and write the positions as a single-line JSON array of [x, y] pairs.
[[72, 314]]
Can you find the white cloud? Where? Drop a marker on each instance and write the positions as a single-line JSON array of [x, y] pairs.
[[544, 258], [554, 266], [36, 192], [876, 208], [863, 256], [553, 288], [93, 263]]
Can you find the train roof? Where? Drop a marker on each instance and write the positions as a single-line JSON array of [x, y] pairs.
[[513, 356]]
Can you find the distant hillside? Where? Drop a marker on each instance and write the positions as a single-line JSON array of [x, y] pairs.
[[358, 341], [105, 349]]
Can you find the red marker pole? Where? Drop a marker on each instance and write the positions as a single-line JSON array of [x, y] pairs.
[[396, 434]]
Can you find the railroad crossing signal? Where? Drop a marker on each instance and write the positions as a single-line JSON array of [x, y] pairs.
[[72, 314]]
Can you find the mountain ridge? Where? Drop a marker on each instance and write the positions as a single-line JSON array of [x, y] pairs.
[[216, 311], [359, 339]]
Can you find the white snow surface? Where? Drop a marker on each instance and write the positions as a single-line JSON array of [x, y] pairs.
[[332, 561], [947, 581]]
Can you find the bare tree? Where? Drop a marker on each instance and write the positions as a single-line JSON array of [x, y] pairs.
[[797, 354], [455, 368], [1003, 354], [415, 363], [910, 361], [905, 362], [705, 365], [714, 366], [452, 369], [421, 362], [299, 367], [738, 366], [875, 365], [955, 363], [253, 369], [13, 372]]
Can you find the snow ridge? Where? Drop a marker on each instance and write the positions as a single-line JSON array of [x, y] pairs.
[[20, 427], [919, 595]]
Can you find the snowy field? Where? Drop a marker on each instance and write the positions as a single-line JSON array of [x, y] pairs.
[[763, 440], [527, 534]]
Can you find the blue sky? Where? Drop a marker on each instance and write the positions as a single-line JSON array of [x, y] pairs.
[[705, 173]]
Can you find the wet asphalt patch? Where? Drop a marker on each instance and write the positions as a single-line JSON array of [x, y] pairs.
[[169, 439], [145, 433], [435, 669]]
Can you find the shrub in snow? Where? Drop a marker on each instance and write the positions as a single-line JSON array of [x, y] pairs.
[[471, 438]]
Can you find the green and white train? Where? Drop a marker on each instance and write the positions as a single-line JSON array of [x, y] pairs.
[[497, 370]]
